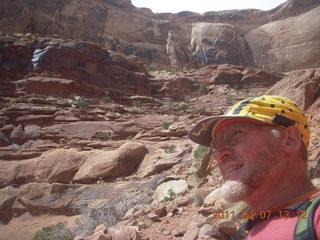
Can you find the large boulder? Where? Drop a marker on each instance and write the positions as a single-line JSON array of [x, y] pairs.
[[58, 165], [240, 76], [44, 197], [219, 43], [107, 164], [170, 189], [302, 86], [178, 86], [17, 172], [287, 44], [8, 196]]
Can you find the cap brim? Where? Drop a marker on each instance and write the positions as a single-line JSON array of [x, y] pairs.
[[201, 132]]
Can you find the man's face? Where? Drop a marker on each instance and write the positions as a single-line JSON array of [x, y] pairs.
[[247, 156]]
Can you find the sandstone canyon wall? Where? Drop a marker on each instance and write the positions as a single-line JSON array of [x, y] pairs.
[[87, 128], [282, 39]]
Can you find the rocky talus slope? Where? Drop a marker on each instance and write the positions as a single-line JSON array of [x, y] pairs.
[[94, 144]]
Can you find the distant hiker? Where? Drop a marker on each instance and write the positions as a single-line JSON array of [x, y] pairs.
[[260, 146]]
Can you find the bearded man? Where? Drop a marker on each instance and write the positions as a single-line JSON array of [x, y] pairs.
[[260, 146]]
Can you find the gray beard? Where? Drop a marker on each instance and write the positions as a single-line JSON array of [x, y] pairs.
[[234, 191], [267, 164]]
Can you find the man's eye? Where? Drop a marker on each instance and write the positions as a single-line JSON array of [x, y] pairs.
[[233, 136]]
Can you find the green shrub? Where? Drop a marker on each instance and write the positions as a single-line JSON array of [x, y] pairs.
[[203, 90], [182, 107], [170, 106], [198, 155], [196, 176], [130, 137], [72, 96], [54, 232], [106, 99], [138, 104], [103, 136], [236, 87], [40, 96], [174, 70], [199, 110], [82, 102], [176, 118], [170, 198], [170, 149], [151, 68], [229, 99], [165, 125]]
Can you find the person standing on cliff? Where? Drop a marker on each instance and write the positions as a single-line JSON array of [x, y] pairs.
[[260, 146]]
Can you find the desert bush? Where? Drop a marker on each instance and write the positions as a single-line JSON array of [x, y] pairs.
[[81, 102], [182, 107], [203, 90], [175, 70], [106, 99], [54, 232], [196, 176], [170, 149], [138, 104], [198, 155], [165, 125], [103, 136], [236, 87], [73, 97], [109, 212], [229, 100], [93, 215], [39, 96], [151, 68], [130, 137], [170, 198], [199, 110], [170, 106]]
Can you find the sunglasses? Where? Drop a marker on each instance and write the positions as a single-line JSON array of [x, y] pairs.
[[231, 135]]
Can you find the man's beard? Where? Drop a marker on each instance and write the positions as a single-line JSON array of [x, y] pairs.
[[266, 165]]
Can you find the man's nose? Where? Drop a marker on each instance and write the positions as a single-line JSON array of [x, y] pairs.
[[222, 152]]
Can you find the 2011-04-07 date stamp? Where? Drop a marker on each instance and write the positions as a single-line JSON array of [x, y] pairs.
[[263, 214]]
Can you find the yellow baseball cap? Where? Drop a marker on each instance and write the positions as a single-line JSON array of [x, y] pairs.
[[273, 110]]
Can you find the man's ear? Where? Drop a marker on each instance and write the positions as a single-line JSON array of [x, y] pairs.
[[291, 139]]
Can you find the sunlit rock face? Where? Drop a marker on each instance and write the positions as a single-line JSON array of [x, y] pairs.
[[282, 39], [287, 44], [219, 43]]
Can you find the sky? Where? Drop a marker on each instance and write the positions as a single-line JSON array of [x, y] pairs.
[[201, 6]]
